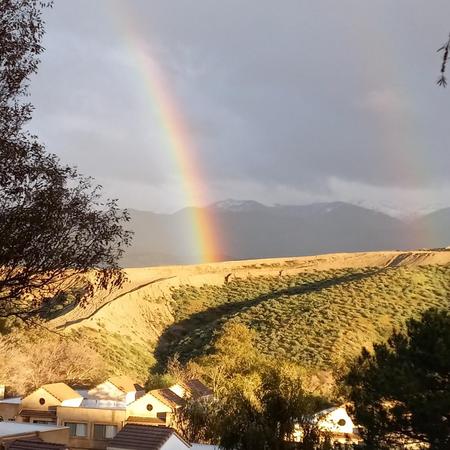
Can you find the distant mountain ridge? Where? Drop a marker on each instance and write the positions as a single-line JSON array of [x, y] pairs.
[[249, 229]]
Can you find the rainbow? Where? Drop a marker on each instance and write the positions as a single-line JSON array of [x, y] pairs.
[[205, 245]]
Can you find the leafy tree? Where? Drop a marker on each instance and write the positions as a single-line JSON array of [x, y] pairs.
[[268, 409], [195, 420], [234, 360], [401, 391], [259, 402], [56, 231]]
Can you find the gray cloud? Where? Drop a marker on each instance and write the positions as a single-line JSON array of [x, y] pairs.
[[286, 97]]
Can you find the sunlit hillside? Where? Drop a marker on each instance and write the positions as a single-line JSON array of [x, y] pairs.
[[317, 319], [317, 311]]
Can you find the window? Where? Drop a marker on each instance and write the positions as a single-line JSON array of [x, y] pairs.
[[77, 429], [162, 416], [341, 422], [42, 401], [149, 407], [102, 432]]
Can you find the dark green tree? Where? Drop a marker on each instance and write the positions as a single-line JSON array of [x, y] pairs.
[[401, 390], [57, 233]]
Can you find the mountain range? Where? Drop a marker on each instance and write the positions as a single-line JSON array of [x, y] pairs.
[[250, 230]]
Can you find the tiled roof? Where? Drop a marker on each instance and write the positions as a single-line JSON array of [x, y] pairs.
[[197, 388], [34, 444], [61, 391], [168, 397], [48, 414], [123, 383], [140, 437]]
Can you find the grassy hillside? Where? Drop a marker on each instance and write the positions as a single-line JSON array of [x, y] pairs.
[[318, 319], [318, 311]]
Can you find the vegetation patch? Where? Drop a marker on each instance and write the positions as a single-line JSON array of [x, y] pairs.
[[319, 319]]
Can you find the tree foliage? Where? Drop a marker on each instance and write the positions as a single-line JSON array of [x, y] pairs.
[[258, 403], [401, 391], [56, 231]]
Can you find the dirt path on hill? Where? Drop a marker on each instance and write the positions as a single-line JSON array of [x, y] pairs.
[[140, 309]]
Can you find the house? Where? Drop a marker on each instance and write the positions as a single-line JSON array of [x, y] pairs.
[[145, 437], [336, 424], [98, 420], [119, 388], [191, 388], [40, 406], [92, 425], [335, 420], [94, 417], [159, 404], [339, 426], [11, 432]]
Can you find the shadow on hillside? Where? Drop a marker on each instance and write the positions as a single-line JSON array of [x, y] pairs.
[[193, 336]]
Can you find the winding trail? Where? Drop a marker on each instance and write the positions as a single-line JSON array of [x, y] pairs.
[[141, 308], [77, 310]]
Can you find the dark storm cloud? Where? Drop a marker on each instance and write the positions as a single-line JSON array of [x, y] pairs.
[[291, 94]]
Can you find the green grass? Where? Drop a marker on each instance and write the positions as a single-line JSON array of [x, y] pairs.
[[317, 319], [120, 355]]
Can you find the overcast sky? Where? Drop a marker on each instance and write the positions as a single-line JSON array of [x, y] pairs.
[[290, 101]]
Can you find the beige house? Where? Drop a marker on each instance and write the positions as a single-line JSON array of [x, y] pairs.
[[96, 421], [93, 417], [91, 427], [40, 406], [159, 405]]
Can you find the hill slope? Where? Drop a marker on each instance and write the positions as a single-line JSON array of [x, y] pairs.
[[318, 319], [316, 310]]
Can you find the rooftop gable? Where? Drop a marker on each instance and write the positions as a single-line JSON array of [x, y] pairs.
[[137, 437], [61, 391], [197, 388], [168, 397], [123, 383], [34, 444]]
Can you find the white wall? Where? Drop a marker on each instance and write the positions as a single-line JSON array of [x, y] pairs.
[[330, 422], [72, 402], [179, 390], [174, 443], [130, 397], [107, 391]]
